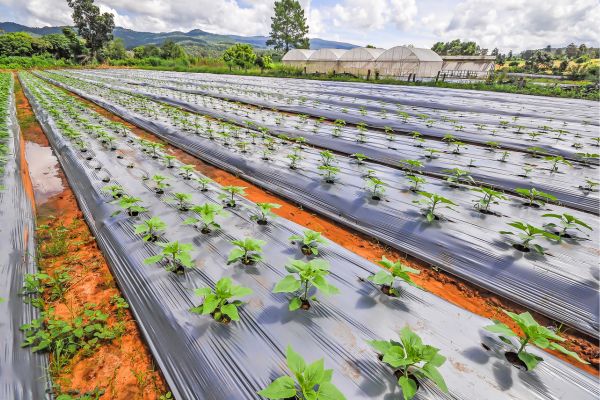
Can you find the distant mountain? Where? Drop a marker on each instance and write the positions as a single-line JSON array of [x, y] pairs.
[[194, 37]]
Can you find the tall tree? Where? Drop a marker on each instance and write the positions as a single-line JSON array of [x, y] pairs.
[[288, 26], [95, 27]]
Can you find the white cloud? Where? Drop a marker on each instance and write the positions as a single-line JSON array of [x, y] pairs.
[[373, 14]]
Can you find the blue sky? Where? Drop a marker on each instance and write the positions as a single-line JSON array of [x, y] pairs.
[[506, 24]]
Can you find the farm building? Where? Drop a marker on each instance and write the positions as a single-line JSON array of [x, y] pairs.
[[297, 57], [360, 61], [468, 66], [324, 61], [405, 61]]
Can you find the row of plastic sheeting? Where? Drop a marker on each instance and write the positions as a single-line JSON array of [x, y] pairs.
[[23, 374], [561, 286], [204, 359]]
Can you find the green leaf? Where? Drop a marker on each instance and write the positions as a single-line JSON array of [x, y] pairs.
[[500, 328], [328, 391], [153, 259], [231, 311], [295, 304], [409, 387], [210, 304], [432, 373], [530, 360], [558, 347], [382, 278], [313, 374], [235, 255], [295, 361], [381, 346], [287, 285], [281, 388]]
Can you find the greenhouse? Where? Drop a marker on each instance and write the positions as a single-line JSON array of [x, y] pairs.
[[324, 61], [360, 61], [297, 57], [469, 66], [406, 61]]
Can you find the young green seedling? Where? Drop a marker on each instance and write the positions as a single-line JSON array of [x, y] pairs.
[[207, 213], [186, 171], [393, 271], [432, 203], [312, 381], [411, 166], [329, 172], [490, 196], [175, 255], [294, 160], [230, 192], [412, 360], [360, 158], [590, 185], [220, 302], [248, 251], [527, 234], [504, 156], [376, 186], [168, 160], [535, 198], [263, 213], [327, 158], [159, 183], [457, 146], [556, 160], [182, 200], [303, 276], [416, 181], [310, 242], [116, 191], [430, 153], [533, 333], [203, 182], [458, 175], [151, 229], [566, 221], [129, 204]]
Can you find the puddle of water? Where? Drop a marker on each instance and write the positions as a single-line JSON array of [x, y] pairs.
[[43, 170]]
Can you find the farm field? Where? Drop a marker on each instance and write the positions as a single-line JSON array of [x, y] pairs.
[[499, 191]]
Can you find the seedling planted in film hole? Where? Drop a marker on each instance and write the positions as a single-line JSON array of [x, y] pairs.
[[116, 191], [175, 255], [412, 360], [566, 221], [432, 203], [309, 274], [220, 302], [490, 196], [312, 381], [203, 182], [527, 233], [151, 229], [533, 333], [535, 198], [207, 213], [263, 213], [230, 192], [129, 204], [376, 186], [416, 181], [310, 242], [182, 200], [394, 270], [248, 251]]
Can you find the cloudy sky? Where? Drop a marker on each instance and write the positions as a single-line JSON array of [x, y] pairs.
[[506, 24]]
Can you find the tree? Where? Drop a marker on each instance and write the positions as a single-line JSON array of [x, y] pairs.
[[77, 46], [571, 50], [457, 48], [94, 27], [288, 26], [170, 49], [240, 55], [115, 50], [264, 62], [59, 45]]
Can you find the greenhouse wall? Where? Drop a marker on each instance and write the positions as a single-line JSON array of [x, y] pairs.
[[360, 61], [475, 66]]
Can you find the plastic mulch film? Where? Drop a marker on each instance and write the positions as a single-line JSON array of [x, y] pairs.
[[203, 359], [23, 374], [561, 285], [483, 164]]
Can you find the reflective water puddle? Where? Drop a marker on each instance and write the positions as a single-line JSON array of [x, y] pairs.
[[43, 170]]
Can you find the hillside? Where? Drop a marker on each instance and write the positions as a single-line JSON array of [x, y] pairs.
[[194, 37]]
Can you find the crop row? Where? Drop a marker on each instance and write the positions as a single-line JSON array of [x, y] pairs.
[[124, 168], [573, 183]]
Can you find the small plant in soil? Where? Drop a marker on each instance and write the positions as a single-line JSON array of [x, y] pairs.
[[203, 182], [433, 202], [311, 381], [187, 171], [327, 158], [360, 158], [535, 151], [556, 161], [490, 197], [153, 148], [504, 156], [389, 133], [587, 157], [567, 222], [412, 361], [168, 159], [176, 256], [337, 127], [304, 276], [329, 172], [115, 191], [533, 333], [182, 201], [393, 271], [229, 193], [458, 145], [376, 186], [457, 176], [151, 228], [206, 217], [492, 146], [263, 212], [310, 242], [411, 166], [221, 303], [535, 198], [129, 204], [159, 183], [247, 251], [590, 185], [416, 180], [431, 153], [294, 160], [527, 234]]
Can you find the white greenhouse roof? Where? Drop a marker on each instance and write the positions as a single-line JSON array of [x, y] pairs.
[[361, 54], [297, 55], [400, 53], [327, 55]]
